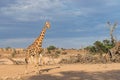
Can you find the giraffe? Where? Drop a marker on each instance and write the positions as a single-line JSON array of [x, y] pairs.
[[35, 49]]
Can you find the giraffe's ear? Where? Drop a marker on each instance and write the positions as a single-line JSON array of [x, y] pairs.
[[47, 24]]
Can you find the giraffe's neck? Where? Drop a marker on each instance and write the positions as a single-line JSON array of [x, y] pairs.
[[38, 41]]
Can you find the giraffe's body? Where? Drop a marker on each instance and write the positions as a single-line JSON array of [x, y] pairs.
[[35, 49]]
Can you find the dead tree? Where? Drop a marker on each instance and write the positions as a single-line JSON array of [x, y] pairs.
[[114, 52], [116, 49], [112, 28]]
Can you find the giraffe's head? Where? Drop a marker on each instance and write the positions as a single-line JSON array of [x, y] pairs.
[[47, 24]]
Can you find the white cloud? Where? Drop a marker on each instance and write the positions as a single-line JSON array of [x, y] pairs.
[[74, 42], [31, 9], [98, 26], [84, 11], [77, 30], [3, 28], [28, 8], [101, 26], [16, 42], [111, 2]]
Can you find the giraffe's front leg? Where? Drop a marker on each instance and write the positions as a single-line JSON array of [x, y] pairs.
[[26, 65], [27, 60], [37, 70]]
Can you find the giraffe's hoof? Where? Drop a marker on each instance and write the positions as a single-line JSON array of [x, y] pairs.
[[38, 72]]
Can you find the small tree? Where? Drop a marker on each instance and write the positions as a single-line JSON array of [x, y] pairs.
[[92, 49], [108, 44], [51, 48], [100, 47], [7, 48]]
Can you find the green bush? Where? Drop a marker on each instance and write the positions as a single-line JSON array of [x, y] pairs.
[[51, 48], [100, 47]]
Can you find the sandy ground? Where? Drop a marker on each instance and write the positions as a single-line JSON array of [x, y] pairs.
[[63, 72]]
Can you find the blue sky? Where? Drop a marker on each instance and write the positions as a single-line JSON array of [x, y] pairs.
[[74, 23]]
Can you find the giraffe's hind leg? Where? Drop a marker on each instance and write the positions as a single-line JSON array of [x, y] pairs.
[[36, 65]]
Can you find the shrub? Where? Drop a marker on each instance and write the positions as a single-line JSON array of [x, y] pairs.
[[13, 53], [57, 52], [100, 47], [51, 48]]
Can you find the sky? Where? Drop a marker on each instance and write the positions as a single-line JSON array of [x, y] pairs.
[[74, 23]]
